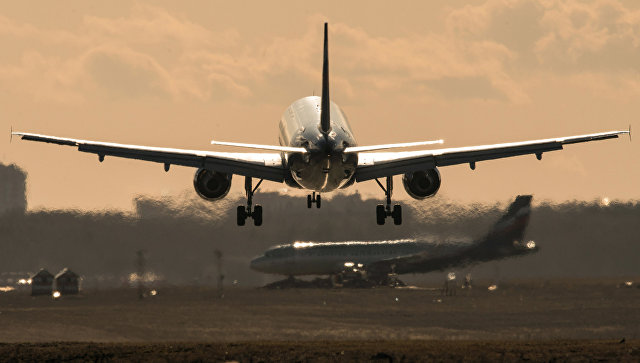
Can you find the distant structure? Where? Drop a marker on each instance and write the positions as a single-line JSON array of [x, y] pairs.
[[467, 282], [450, 285], [141, 265], [13, 190], [152, 208], [41, 283], [67, 282], [220, 277]]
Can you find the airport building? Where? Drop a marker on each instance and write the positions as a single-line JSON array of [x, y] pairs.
[[41, 283], [67, 282]]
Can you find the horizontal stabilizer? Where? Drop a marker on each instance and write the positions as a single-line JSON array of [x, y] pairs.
[[357, 149], [262, 147]]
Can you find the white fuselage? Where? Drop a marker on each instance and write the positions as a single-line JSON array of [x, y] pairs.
[[308, 258], [325, 167]]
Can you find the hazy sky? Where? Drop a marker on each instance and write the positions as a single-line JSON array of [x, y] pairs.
[[178, 74]]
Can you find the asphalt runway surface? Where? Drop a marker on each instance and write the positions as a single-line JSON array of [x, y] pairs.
[[552, 319]]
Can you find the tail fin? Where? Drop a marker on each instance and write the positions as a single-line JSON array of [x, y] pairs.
[[325, 110], [509, 230]]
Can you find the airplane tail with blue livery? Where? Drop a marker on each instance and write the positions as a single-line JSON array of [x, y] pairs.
[[504, 240], [506, 236]]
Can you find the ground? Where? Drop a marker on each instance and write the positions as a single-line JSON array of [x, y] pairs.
[[541, 320], [330, 351]]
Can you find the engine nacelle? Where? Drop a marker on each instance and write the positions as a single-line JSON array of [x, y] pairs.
[[289, 181], [211, 185], [422, 184]]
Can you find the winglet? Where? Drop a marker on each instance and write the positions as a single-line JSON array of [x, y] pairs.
[[11, 135], [325, 104], [629, 132]]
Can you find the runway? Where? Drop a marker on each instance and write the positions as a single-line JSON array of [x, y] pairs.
[[538, 320], [523, 311]]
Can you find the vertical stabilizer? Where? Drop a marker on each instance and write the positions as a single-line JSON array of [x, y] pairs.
[[505, 238], [512, 225], [325, 111]]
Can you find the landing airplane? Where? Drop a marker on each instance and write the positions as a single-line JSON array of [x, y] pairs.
[[318, 152], [378, 260]]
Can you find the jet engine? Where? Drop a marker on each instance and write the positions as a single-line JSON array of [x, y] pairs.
[[422, 184], [211, 185]]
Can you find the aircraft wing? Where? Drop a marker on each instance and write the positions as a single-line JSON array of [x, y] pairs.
[[377, 165], [267, 166]]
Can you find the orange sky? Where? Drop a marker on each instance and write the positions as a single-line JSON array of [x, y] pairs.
[[177, 75]]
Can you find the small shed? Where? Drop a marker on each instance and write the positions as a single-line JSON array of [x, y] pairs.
[[67, 282], [41, 283]]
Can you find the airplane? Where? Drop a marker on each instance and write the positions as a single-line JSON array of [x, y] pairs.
[[377, 261], [318, 152]]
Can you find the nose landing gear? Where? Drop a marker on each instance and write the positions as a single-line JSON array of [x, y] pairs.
[[382, 211], [248, 212], [314, 199]]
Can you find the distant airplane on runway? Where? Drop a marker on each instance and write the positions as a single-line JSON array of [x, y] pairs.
[[377, 261], [318, 152]]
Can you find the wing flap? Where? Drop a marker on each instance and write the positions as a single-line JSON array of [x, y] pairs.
[[497, 152], [376, 165], [267, 166]]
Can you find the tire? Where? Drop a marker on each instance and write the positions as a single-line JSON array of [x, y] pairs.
[[397, 214], [257, 215], [308, 201], [381, 214], [242, 215], [318, 201]]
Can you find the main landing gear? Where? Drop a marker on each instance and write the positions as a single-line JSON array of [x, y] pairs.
[[314, 199], [246, 212], [382, 211]]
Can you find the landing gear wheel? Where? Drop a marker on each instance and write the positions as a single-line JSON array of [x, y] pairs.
[[242, 215], [249, 211], [397, 214], [384, 211], [381, 214], [313, 198], [257, 215]]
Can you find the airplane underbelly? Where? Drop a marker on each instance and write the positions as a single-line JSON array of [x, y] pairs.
[[322, 173]]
